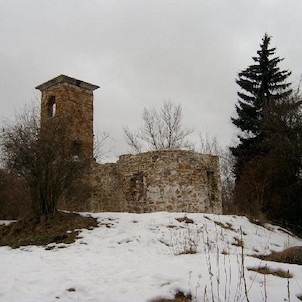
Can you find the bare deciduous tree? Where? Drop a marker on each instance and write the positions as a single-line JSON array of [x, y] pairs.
[[42, 156], [209, 145], [161, 130], [102, 145]]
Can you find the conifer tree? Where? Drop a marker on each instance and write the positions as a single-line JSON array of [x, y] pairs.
[[261, 85]]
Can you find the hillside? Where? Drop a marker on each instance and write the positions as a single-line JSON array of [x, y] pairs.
[[144, 257]]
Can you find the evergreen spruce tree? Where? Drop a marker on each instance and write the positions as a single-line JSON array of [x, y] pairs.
[[268, 158], [261, 85]]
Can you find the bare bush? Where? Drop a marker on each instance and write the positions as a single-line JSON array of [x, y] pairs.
[[102, 145], [42, 156], [14, 196], [210, 145]]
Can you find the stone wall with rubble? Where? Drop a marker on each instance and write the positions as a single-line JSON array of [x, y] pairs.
[[169, 180]]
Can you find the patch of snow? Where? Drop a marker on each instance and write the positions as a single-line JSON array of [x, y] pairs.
[[7, 222], [133, 257]]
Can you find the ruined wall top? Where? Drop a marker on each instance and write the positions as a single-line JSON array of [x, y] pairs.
[[65, 79], [168, 153]]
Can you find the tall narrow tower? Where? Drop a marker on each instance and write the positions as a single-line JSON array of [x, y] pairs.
[[67, 97]]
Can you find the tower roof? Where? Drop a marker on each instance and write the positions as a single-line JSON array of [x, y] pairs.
[[65, 79]]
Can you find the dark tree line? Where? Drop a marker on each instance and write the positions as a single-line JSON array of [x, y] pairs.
[[268, 163]]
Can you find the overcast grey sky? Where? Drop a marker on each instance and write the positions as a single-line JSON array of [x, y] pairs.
[[142, 53]]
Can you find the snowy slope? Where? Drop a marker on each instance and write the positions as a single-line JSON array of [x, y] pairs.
[[139, 257]]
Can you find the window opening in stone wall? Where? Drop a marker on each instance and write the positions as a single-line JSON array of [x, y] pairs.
[[51, 106], [137, 186], [76, 148]]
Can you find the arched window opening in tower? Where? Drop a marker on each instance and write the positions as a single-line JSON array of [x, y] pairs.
[[51, 106], [76, 148]]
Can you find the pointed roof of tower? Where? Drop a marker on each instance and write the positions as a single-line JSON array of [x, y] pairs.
[[65, 79]]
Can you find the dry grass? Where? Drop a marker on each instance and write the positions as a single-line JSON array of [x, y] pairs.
[[58, 229], [184, 241], [185, 219], [261, 222], [268, 271], [238, 242], [227, 225], [256, 221], [292, 255]]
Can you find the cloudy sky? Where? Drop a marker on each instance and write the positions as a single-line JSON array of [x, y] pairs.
[[142, 53]]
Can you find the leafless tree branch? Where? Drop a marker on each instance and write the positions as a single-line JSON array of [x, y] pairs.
[[42, 156], [161, 130]]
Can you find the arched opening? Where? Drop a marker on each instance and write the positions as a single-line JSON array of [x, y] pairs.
[[51, 106], [76, 148]]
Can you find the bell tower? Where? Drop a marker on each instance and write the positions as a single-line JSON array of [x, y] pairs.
[[67, 97]]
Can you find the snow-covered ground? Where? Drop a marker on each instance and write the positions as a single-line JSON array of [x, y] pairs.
[[139, 257]]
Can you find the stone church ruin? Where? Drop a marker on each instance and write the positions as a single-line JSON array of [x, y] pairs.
[[165, 180]]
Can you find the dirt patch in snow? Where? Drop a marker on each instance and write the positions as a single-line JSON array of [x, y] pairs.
[[291, 255], [61, 228], [269, 271], [179, 297], [185, 219]]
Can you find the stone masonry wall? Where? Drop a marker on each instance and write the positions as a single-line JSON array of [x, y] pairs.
[[169, 180], [98, 190], [107, 194]]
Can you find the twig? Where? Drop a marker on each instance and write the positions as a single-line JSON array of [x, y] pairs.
[[243, 268], [265, 291], [288, 290]]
